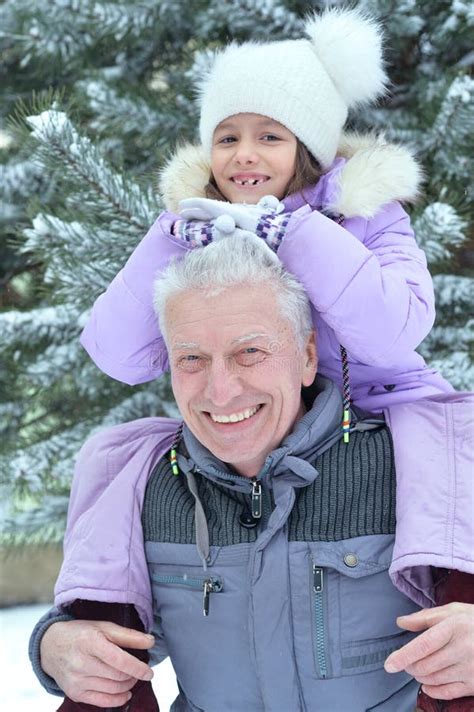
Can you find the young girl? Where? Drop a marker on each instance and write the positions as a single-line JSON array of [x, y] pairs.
[[271, 125]]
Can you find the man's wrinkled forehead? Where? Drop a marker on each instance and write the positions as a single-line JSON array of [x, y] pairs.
[[237, 317]]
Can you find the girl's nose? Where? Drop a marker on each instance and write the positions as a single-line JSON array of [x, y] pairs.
[[246, 153]]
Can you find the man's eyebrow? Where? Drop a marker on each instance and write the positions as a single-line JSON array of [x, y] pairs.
[[250, 337], [185, 345]]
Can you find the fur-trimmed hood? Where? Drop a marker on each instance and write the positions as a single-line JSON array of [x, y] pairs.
[[368, 173]]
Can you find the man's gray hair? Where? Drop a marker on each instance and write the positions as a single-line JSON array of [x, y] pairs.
[[231, 262]]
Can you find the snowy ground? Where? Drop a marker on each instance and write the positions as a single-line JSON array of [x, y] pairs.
[[21, 692]]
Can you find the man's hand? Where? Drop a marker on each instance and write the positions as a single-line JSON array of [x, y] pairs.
[[86, 660], [441, 658]]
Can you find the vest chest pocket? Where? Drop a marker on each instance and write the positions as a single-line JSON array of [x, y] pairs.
[[205, 584], [354, 606]]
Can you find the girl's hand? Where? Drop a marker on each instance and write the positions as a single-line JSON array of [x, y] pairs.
[[245, 216], [199, 233], [441, 658], [262, 220]]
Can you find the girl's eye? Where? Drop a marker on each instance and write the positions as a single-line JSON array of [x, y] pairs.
[[227, 139], [271, 137]]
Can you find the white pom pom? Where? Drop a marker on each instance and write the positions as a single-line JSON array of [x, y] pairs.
[[349, 45], [225, 224], [271, 203]]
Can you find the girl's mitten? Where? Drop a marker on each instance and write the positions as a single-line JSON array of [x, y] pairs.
[[199, 233], [264, 219]]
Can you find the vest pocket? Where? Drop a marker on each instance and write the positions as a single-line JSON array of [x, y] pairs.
[[354, 606], [207, 585]]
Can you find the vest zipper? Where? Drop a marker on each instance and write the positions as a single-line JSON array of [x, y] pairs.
[[208, 585], [256, 499], [319, 627]]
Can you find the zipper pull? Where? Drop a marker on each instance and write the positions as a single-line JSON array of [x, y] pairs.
[[256, 500], [208, 588], [317, 579]]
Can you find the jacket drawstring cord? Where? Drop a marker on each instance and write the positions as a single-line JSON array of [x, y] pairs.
[[346, 395], [200, 521]]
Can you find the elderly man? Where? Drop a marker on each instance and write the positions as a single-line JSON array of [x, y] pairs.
[[267, 539]]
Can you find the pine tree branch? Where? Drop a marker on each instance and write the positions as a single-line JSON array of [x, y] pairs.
[[98, 187]]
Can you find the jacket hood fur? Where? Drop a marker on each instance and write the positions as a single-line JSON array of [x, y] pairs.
[[375, 173]]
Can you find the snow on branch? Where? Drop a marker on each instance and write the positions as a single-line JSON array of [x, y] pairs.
[[454, 295], [140, 405], [98, 187], [454, 126], [81, 258], [122, 113], [129, 114], [439, 229], [10, 414], [445, 337], [120, 20], [78, 27], [456, 367], [54, 363], [43, 524], [19, 180], [32, 466], [19, 328], [261, 19]]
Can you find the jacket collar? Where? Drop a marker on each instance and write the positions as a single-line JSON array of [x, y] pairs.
[[368, 173]]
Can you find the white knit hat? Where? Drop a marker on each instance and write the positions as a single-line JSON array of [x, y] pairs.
[[307, 85]]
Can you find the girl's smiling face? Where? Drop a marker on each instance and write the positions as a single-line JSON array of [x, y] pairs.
[[252, 156]]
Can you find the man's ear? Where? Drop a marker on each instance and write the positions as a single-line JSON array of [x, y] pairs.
[[310, 362]]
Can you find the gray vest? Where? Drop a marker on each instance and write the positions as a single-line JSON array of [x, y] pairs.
[[293, 610]]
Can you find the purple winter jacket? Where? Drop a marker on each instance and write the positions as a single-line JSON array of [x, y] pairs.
[[367, 281], [435, 500]]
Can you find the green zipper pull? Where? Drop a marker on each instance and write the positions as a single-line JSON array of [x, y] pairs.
[[256, 500]]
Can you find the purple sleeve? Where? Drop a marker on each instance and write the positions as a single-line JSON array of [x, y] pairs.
[[435, 496], [368, 280], [122, 335]]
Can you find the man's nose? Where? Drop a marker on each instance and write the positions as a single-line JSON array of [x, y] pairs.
[[223, 383]]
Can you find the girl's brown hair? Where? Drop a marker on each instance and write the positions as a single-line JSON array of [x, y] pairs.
[[307, 172]]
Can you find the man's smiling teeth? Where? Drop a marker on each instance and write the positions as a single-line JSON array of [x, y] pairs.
[[234, 417], [249, 181]]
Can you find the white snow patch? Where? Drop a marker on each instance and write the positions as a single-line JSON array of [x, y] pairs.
[[23, 693], [46, 122], [461, 88], [6, 139]]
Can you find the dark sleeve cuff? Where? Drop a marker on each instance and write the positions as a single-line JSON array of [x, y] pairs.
[[54, 615]]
